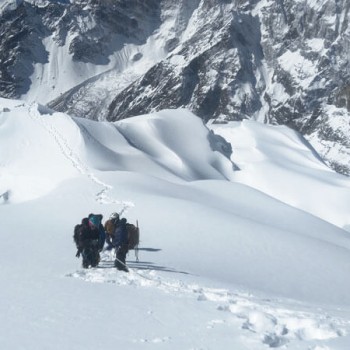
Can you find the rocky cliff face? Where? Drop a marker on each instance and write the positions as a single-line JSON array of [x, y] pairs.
[[55, 45], [280, 62], [213, 71], [306, 47]]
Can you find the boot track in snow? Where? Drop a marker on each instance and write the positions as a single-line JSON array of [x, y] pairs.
[[68, 152], [273, 323]]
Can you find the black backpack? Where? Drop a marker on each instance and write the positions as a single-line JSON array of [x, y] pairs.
[[76, 235]]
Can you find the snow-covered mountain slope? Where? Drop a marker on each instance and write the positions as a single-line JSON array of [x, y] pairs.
[[279, 62], [280, 162], [222, 264]]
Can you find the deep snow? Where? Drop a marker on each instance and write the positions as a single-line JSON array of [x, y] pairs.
[[243, 259]]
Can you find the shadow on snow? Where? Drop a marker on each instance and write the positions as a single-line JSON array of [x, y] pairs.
[[139, 265]]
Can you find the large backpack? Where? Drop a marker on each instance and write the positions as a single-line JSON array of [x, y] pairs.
[[133, 238], [77, 229]]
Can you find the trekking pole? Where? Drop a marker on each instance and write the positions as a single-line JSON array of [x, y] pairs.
[[122, 210], [137, 246], [126, 266], [116, 258]]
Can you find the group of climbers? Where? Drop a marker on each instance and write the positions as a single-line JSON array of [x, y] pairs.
[[91, 235]]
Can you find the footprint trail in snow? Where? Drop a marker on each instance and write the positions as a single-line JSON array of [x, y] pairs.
[[102, 196], [268, 322]]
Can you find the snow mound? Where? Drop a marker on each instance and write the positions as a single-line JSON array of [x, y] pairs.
[[54, 147]]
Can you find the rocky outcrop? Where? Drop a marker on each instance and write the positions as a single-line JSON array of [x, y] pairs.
[[21, 34]]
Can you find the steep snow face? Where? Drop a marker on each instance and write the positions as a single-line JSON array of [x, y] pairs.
[[50, 47], [128, 63]]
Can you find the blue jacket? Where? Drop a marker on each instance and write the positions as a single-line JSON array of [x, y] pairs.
[[121, 235], [102, 236]]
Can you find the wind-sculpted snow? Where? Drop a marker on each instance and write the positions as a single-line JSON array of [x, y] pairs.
[[147, 144]]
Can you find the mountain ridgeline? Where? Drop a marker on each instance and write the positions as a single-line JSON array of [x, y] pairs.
[[279, 62]]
